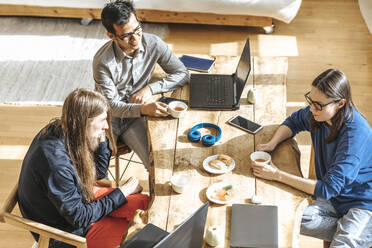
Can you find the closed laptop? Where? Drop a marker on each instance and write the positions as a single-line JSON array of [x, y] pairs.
[[254, 226]]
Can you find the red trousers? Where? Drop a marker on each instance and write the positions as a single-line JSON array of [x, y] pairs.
[[108, 231]]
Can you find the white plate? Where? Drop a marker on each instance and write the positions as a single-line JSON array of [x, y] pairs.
[[210, 192], [212, 170]]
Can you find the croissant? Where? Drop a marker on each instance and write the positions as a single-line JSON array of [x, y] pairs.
[[224, 158], [217, 164]]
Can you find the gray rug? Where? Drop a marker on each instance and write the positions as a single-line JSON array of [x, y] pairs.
[[43, 59]]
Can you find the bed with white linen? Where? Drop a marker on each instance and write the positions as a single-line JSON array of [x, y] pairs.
[[366, 10], [219, 12]]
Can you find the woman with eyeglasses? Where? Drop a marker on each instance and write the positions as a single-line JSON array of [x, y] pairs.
[[342, 142]]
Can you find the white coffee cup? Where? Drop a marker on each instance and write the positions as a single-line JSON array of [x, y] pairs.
[[177, 109], [179, 182], [262, 157]]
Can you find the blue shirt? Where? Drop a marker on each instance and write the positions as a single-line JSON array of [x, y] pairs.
[[344, 166]]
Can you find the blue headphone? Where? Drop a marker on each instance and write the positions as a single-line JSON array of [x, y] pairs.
[[208, 140]]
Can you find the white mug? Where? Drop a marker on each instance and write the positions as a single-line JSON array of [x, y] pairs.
[[177, 109], [179, 182], [264, 156]]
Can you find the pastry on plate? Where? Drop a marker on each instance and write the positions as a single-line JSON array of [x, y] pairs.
[[216, 164], [224, 194], [224, 158]]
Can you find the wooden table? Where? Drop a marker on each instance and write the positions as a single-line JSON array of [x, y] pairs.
[[172, 153]]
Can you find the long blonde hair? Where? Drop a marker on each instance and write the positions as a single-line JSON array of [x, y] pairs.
[[79, 106]]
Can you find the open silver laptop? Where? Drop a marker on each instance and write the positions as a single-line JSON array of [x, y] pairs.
[[189, 234]]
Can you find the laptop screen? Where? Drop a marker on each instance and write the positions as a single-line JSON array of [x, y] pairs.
[[189, 234], [243, 69]]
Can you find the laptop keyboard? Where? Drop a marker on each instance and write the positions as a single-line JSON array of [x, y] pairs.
[[217, 88]]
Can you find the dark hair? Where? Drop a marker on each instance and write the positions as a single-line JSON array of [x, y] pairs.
[[335, 85], [117, 12], [79, 107]]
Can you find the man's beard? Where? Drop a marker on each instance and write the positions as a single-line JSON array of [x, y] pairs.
[[93, 143]]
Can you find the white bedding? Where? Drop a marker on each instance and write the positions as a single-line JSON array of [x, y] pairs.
[[283, 10], [366, 10]]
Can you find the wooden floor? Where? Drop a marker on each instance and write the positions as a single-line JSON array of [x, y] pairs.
[[325, 34]]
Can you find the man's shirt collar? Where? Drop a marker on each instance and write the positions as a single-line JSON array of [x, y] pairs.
[[122, 55]]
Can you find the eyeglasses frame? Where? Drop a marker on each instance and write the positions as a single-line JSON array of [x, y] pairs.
[[318, 106], [125, 37]]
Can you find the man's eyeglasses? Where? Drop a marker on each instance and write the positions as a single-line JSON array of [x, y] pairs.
[[125, 37], [318, 106]]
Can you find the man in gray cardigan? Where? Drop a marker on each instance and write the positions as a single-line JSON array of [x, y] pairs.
[[122, 69]]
